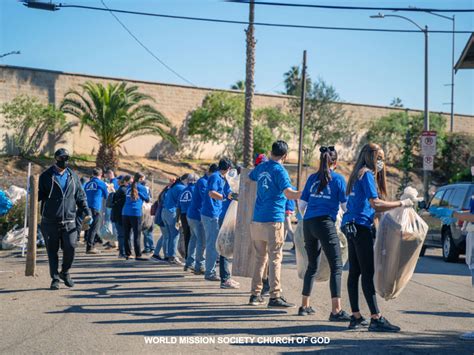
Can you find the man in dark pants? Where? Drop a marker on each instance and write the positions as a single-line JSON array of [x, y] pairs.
[[63, 207], [96, 192]]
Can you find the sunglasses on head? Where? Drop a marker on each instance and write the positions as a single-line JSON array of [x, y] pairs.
[[324, 149]]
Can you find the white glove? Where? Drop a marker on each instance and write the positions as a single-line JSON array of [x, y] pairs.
[[407, 203]]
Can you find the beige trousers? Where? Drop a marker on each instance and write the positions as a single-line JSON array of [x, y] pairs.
[[267, 241]]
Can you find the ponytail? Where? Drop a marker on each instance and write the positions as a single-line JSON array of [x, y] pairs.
[[327, 158], [134, 188]]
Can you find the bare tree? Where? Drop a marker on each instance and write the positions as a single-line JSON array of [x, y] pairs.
[[249, 88]]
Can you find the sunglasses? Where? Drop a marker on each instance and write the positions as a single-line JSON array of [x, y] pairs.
[[324, 149]]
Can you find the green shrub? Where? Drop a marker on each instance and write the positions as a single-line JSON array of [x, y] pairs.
[[14, 217]]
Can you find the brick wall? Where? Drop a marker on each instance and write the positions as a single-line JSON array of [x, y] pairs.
[[174, 101]]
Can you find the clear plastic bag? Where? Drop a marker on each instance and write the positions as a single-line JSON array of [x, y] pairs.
[[15, 193], [226, 237], [15, 238], [400, 236], [324, 272]]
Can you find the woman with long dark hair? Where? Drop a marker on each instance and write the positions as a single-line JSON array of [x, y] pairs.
[[366, 188], [132, 215], [324, 192]]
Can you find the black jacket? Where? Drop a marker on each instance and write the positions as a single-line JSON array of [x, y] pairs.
[[68, 207], [118, 201]]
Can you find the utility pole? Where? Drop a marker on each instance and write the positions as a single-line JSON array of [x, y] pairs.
[[301, 138], [32, 227], [249, 88]]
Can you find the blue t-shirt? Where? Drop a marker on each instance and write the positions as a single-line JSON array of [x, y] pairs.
[[61, 179], [194, 210], [359, 209], [185, 198], [225, 202], [172, 197], [272, 179], [326, 202], [96, 191], [210, 207], [133, 208], [115, 182], [290, 206]]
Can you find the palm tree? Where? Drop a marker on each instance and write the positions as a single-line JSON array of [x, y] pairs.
[[293, 81], [115, 113], [239, 85], [249, 88]]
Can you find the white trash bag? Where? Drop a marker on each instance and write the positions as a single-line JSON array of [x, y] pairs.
[[324, 272], [15, 238], [400, 236], [226, 237], [15, 193]]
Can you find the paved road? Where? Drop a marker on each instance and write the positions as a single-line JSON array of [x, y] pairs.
[[116, 304]]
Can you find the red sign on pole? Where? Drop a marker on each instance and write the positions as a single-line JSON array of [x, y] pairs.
[[428, 143]]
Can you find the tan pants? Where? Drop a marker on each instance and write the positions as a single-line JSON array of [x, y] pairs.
[[267, 241]]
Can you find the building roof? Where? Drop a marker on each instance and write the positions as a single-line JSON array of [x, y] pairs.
[[466, 60]]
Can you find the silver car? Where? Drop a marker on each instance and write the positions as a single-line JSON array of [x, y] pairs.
[[450, 237]]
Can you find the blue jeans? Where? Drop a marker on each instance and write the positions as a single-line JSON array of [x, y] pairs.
[[224, 271], [197, 245], [148, 239], [211, 229], [162, 243], [173, 233], [120, 238]]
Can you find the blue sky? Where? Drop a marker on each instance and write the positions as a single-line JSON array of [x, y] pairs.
[[370, 68]]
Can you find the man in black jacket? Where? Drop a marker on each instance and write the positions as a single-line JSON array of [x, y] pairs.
[[118, 200], [63, 207]]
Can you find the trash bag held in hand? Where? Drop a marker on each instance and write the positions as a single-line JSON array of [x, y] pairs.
[[226, 237], [181, 244], [324, 272], [400, 236], [5, 203]]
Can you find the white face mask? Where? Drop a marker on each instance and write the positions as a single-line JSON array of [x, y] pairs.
[[380, 165], [472, 170]]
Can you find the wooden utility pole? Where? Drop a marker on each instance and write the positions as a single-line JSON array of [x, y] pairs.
[[32, 227], [303, 97], [249, 88]]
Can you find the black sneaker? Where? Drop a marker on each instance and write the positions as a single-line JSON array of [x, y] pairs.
[[306, 311], [356, 323], [382, 325], [256, 300], [342, 316], [201, 271], [266, 288], [280, 302], [67, 279], [54, 285]]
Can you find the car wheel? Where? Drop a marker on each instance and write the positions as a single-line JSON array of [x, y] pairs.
[[450, 252], [422, 251]]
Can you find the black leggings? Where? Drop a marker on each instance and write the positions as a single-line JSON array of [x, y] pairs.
[[321, 231], [361, 262], [132, 223], [186, 233]]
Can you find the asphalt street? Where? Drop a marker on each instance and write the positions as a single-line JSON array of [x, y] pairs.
[[118, 306]]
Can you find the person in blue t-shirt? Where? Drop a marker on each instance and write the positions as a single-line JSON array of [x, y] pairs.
[[197, 243], [267, 228], [170, 217], [366, 188], [210, 215], [184, 201], [289, 212], [323, 193], [132, 215], [96, 192]]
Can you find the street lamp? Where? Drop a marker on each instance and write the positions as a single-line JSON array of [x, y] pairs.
[[9, 53], [49, 6], [426, 121]]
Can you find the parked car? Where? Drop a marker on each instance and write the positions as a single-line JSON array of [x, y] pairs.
[[449, 237]]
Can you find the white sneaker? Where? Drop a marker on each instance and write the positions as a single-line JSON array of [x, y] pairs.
[[230, 284]]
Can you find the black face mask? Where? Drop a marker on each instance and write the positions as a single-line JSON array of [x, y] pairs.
[[61, 164]]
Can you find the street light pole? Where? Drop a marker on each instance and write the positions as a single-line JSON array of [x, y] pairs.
[[426, 121]]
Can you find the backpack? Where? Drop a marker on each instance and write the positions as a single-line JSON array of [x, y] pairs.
[[158, 220], [109, 203], [154, 207]]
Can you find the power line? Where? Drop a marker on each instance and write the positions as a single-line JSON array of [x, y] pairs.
[[145, 47], [263, 24], [334, 7]]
